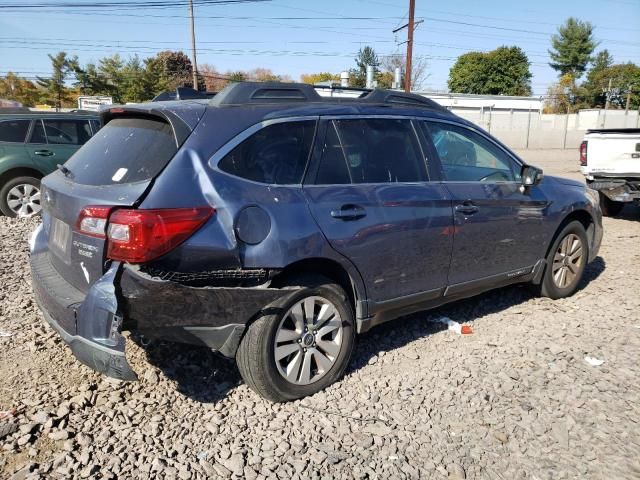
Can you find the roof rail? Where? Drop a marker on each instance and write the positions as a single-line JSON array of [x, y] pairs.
[[183, 93], [401, 98], [338, 87], [242, 93], [265, 92]]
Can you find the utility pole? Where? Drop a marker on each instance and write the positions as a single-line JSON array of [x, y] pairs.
[[410, 26], [407, 75], [626, 108], [194, 63]]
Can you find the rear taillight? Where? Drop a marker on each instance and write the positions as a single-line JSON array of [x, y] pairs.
[[138, 236], [93, 220], [583, 154]]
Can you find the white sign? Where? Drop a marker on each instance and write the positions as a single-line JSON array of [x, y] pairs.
[[93, 103]]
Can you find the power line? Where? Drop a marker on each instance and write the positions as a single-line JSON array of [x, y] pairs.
[[126, 5]]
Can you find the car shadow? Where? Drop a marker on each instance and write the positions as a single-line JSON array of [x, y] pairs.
[[395, 334], [199, 373], [207, 377], [630, 213]]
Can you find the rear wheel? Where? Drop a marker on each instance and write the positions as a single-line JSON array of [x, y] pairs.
[[20, 197], [303, 347], [566, 262], [609, 207]]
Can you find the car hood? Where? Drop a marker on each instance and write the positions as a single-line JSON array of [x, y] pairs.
[[564, 181]]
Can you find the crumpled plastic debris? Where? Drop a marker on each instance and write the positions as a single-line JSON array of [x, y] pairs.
[[456, 327], [8, 413], [594, 362], [6, 334]]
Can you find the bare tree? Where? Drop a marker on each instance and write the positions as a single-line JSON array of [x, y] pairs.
[[418, 68]]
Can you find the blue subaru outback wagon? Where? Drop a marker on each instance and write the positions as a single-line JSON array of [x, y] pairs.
[[273, 225]]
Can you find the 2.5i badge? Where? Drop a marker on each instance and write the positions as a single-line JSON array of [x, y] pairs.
[[85, 249]]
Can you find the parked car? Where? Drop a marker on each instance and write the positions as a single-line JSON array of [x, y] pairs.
[[31, 145], [272, 225], [610, 161]]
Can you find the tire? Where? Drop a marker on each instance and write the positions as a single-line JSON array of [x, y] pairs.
[[609, 207], [553, 280], [15, 190], [312, 364]]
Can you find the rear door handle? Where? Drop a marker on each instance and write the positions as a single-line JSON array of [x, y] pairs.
[[466, 208], [44, 153], [349, 212]]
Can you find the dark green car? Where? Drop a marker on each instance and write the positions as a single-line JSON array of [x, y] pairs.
[[32, 144]]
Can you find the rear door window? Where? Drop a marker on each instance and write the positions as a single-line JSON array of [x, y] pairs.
[[37, 133], [276, 154], [14, 130], [371, 150], [67, 131], [125, 150]]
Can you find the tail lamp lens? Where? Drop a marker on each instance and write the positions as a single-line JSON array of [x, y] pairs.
[[139, 236], [583, 154], [92, 220]]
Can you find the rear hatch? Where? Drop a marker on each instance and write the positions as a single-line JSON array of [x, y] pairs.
[[115, 168], [613, 152]]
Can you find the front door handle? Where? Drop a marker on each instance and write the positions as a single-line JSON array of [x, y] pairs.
[[349, 212], [44, 153], [467, 208]]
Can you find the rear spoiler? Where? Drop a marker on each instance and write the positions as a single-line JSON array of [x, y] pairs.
[[179, 124]]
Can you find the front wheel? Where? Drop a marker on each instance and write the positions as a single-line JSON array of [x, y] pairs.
[[20, 197], [303, 347], [566, 262]]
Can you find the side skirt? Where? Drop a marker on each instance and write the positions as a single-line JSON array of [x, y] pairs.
[[392, 309]]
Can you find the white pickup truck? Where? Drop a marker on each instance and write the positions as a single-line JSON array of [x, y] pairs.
[[610, 161]]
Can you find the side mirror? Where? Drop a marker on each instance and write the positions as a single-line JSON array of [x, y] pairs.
[[531, 176]]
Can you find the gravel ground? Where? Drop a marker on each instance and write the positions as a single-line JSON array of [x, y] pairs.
[[516, 399]]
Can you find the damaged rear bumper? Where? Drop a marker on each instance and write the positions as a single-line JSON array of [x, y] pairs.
[[89, 323], [125, 298], [215, 317]]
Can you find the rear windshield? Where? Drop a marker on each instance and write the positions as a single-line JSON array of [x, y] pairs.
[[125, 150]]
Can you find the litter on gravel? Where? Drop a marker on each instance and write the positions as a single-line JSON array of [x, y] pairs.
[[594, 362], [455, 327], [6, 334], [7, 414]]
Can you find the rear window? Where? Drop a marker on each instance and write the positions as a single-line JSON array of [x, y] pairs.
[[125, 150], [14, 130]]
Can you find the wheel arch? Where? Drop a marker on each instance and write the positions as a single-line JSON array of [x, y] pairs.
[[334, 271], [579, 215], [22, 171]]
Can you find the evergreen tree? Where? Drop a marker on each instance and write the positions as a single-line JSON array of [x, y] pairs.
[[56, 91], [572, 47], [358, 76]]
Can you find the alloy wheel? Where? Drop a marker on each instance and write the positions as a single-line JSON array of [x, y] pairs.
[[308, 340], [24, 200], [567, 261]]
